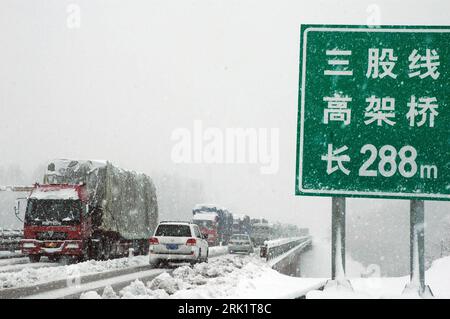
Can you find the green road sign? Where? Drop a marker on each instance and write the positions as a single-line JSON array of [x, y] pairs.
[[374, 112]]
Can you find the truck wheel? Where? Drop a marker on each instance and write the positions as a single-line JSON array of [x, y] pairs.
[[100, 251], [107, 248], [34, 258], [207, 254], [96, 250], [54, 258]]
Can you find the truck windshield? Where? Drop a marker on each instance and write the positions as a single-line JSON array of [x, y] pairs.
[[204, 223], [53, 212]]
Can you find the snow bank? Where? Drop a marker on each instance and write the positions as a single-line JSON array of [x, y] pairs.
[[33, 276], [8, 254], [227, 276], [437, 277], [217, 251]]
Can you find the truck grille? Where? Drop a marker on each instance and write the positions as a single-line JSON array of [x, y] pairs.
[[50, 235]]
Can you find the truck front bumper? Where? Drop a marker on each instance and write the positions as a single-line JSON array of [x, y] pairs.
[[52, 248]]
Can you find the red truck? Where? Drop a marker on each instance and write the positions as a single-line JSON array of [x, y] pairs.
[[89, 210], [215, 222]]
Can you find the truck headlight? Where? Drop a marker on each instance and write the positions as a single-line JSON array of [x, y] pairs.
[[72, 246], [28, 245]]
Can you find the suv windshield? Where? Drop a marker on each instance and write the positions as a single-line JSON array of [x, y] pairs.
[[53, 212], [173, 230]]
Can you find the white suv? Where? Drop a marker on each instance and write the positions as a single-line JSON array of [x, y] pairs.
[[177, 242]]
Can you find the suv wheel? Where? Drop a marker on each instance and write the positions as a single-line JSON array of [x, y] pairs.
[[154, 263]]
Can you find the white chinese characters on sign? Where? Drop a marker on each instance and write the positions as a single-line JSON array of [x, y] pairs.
[[430, 62], [339, 62], [333, 156], [380, 110], [381, 63], [425, 106], [386, 61], [336, 109]]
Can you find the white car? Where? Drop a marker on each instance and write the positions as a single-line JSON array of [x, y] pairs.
[[240, 243], [177, 242]]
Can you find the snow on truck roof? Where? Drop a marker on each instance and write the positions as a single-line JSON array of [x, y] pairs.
[[208, 206], [52, 193], [60, 165], [205, 216], [239, 216]]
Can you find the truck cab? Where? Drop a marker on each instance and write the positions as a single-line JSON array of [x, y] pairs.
[[209, 226], [55, 224]]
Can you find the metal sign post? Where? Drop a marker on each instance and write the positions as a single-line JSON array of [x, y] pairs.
[[337, 237], [417, 251], [338, 278]]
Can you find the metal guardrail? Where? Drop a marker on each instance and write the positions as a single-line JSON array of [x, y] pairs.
[[273, 250], [10, 239]]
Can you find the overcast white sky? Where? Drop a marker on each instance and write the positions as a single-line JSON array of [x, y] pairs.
[[134, 71]]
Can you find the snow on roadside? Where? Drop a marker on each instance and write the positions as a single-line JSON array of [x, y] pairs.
[[217, 251], [230, 276], [7, 253], [437, 277], [32, 276], [20, 266]]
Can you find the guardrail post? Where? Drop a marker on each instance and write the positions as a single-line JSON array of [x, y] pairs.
[[417, 251]]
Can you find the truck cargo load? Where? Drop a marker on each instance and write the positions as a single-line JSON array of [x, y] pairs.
[[241, 224], [102, 209]]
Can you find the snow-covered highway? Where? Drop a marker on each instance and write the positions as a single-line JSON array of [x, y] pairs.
[[19, 278]]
